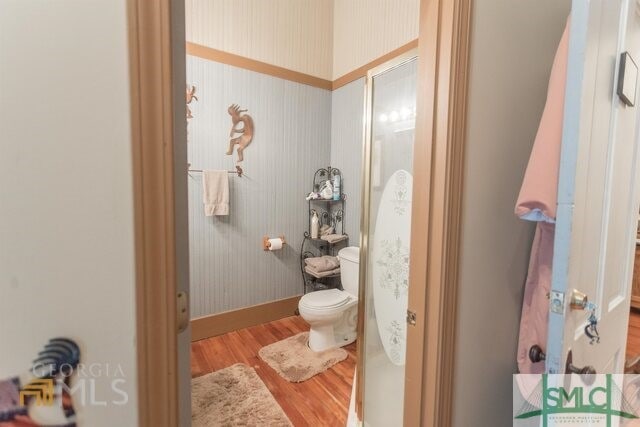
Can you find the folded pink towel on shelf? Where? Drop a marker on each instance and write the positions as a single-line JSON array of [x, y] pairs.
[[321, 274], [322, 263], [334, 238]]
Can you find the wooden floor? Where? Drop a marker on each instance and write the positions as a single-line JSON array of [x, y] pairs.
[[320, 401], [633, 336], [323, 400]]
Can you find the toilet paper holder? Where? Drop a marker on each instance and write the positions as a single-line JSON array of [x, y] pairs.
[[266, 244]]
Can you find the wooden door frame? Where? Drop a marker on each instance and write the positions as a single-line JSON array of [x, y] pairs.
[[443, 53], [152, 113]]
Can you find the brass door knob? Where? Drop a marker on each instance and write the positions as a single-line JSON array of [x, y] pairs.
[[579, 300]]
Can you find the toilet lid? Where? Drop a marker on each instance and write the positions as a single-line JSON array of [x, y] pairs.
[[351, 253], [329, 298]]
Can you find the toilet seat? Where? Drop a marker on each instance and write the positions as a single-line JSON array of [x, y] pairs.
[[325, 300], [332, 317]]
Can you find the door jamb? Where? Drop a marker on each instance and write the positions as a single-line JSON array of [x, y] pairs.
[[443, 55], [152, 112]]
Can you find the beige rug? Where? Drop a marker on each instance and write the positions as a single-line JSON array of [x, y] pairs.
[[296, 362], [632, 365], [234, 396]]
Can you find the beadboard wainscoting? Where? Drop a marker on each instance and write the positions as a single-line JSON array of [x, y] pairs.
[[347, 109], [229, 269]]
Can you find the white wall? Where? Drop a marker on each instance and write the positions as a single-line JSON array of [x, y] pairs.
[[512, 49], [66, 216], [364, 30], [294, 34]]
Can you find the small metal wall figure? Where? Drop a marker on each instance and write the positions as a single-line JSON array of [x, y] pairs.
[[191, 95], [246, 132]]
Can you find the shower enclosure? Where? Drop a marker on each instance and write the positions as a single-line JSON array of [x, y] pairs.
[[385, 241]]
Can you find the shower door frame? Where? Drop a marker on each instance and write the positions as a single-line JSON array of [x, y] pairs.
[[443, 52], [365, 217]]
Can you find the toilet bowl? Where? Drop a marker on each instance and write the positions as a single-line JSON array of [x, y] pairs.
[[332, 314]]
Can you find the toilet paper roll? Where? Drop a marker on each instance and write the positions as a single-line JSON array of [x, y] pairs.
[[275, 244]]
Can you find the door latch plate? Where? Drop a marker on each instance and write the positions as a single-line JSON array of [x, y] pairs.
[[556, 302], [411, 317]]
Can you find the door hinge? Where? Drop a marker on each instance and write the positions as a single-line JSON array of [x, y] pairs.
[[182, 306], [411, 317]]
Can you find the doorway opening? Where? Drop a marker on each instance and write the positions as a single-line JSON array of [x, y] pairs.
[[287, 165], [157, 65]]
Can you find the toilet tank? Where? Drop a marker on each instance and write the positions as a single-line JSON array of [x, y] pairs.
[[350, 269]]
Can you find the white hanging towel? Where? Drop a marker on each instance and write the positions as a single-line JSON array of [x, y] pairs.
[[215, 196]]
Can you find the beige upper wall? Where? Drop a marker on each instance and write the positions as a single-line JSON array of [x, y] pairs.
[[364, 30], [294, 34], [323, 38]]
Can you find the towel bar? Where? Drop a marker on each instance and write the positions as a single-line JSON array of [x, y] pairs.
[[238, 171]]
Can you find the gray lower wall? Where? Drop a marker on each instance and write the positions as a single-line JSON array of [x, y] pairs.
[[228, 268], [512, 49], [347, 110]]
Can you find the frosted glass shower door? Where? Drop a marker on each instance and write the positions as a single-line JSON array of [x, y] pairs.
[[392, 98]]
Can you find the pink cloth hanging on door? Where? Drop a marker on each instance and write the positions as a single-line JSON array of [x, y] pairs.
[[537, 202]]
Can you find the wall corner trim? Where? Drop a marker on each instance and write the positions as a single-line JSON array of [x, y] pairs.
[[362, 71], [232, 59]]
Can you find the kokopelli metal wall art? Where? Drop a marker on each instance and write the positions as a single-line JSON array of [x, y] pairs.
[[191, 95], [246, 132]]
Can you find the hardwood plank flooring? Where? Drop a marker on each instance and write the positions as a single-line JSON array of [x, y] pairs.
[[322, 400], [633, 336]]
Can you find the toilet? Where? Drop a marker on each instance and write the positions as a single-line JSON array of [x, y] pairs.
[[332, 314]]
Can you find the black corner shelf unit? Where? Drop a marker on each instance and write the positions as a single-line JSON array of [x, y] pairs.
[[330, 212]]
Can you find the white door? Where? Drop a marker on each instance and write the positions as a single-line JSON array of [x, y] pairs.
[[598, 193]]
